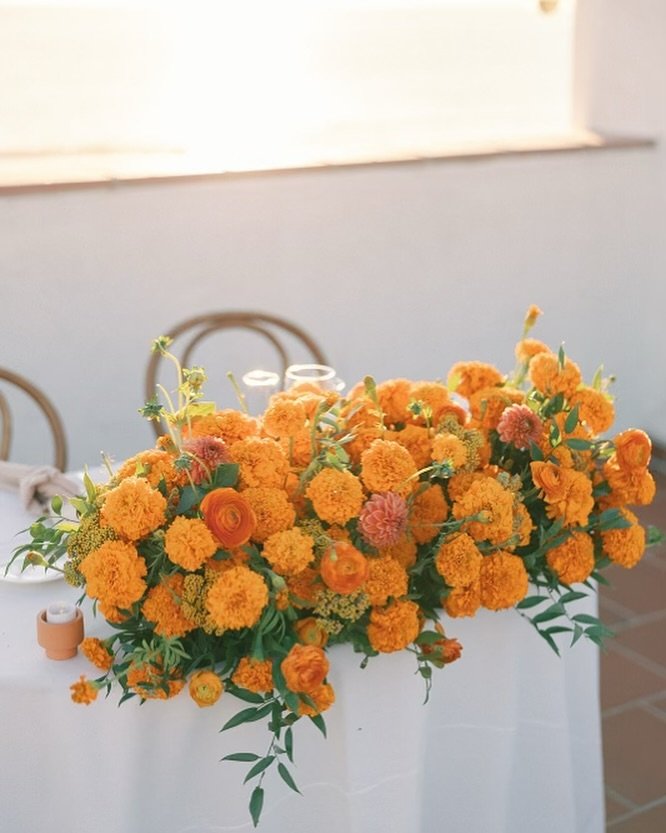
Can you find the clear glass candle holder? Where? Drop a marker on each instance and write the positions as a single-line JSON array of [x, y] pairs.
[[315, 375], [258, 387]]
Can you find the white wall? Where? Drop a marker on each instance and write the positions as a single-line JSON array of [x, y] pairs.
[[398, 270]]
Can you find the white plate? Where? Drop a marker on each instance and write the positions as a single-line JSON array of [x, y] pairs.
[[31, 574]]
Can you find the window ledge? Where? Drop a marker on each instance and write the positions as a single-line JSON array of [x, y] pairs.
[[24, 173]]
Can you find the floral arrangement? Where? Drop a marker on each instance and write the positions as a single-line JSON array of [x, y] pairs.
[[231, 555]]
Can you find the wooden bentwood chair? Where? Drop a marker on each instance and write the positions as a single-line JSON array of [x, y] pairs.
[[189, 334], [46, 407]]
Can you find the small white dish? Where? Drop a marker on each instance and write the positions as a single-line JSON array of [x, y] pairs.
[[31, 574]]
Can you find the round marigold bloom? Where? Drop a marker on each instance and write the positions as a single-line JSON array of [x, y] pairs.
[[205, 688], [403, 551], [262, 462], [460, 483], [435, 397], [284, 417], [228, 424], [114, 574], [151, 682], [237, 599], [486, 498], [304, 588], [595, 409], [133, 509], [394, 627], [96, 652], [323, 698], [387, 579], [337, 496], [155, 465], [449, 448], [503, 580], [522, 525], [416, 439], [463, 601], [304, 668], [567, 493], [288, 552], [254, 674], [550, 379], [488, 404], [272, 509], [298, 448], [633, 449], [207, 453], [162, 607], [394, 396], [383, 520], [363, 438], [520, 426], [310, 631], [189, 543], [573, 560], [388, 467], [529, 347], [625, 546], [473, 376], [428, 512], [343, 568], [458, 561], [83, 691], [229, 516], [628, 485]]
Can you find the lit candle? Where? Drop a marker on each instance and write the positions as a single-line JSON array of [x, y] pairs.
[[57, 613]]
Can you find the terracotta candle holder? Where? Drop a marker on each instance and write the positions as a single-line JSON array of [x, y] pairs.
[[60, 640]]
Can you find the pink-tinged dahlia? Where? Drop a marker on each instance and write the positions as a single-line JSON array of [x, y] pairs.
[[519, 425], [383, 519], [207, 454]]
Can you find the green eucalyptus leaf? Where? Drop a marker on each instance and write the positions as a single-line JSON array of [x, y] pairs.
[[286, 777], [259, 767], [256, 804], [244, 757]]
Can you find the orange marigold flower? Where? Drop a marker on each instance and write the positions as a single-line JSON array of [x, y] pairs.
[[386, 579], [403, 551], [83, 691], [529, 347], [394, 627], [458, 561], [229, 516], [151, 682], [628, 485], [254, 674], [96, 652], [503, 580], [435, 397], [550, 379], [625, 546], [205, 688], [416, 439], [114, 574], [428, 511], [489, 404], [460, 483], [337, 496], [633, 449], [533, 312], [567, 492], [237, 599], [388, 467], [310, 631], [162, 607], [155, 465], [288, 552], [298, 448], [133, 509], [595, 409], [343, 568], [323, 698], [262, 462], [463, 601], [189, 543], [394, 396], [111, 613], [363, 438], [573, 560], [304, 668], [305, 588], [228, 424], [284, 417], [272, 509], [493, 504], [449, 448], [522, 525], [473, 376]]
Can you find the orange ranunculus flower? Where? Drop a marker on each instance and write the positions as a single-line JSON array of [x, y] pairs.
[[229, 517], [633, 449], [304, 668], [323, 698], [310, 632], [344, 568], [567, 492], [443, 651], [205, 688]]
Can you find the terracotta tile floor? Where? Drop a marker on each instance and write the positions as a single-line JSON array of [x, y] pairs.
[[633, 687]]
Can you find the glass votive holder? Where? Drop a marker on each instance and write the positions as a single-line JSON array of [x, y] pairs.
[[313, 375], [259, 386]]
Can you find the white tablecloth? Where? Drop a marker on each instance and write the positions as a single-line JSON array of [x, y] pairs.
[[509, 742]]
